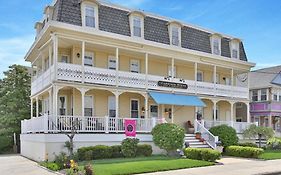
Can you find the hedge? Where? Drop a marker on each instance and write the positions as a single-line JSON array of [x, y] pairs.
[[274, 143], [116, 151], [248, 144], [240, 151], [202, 154], [226, 134], [144, 150], [129, 147]]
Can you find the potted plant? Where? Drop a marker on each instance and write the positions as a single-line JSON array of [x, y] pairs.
[[198, 135]]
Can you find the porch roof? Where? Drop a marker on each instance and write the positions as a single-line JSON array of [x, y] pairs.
[[176, 99]]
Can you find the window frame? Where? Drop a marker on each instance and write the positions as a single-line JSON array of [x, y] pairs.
[[261, 95], [134, 99], [86, 5], [108, 107], [111, 57], [67, 58], [65, 105], [90, 54], [138, 62], [202, 73], [92, 106], [234, 45], [171, 33], [132, 17], [257, 96], [213, 39]]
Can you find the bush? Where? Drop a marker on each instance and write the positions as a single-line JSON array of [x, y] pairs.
[[53, 166], [240, 151], [202, 154], [248, 144], [6, 144], [274, 143], [88, 169], [94, 152], [144, 150], [129, 147], [88, 155], [61, 160], [168, 136], [227, 135], [116, 151]]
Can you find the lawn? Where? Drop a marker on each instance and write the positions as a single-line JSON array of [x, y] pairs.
[[142, 165], [271, 155]]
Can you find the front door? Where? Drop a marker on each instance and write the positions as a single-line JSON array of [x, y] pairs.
[[134, 108], [154, 111], [62, 105]]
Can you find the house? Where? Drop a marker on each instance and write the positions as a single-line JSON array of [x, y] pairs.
[[98, 63], [265, 92]]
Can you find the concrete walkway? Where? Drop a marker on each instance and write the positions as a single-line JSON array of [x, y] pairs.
[[232, 166], [17, 165]]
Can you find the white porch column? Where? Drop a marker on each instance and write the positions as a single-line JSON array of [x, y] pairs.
[[117, 67], [172, 111], [50, 102], [117, 94], [37, 107], [232, 113], [248, 113], [173, 68], [146, 71], [83, 92], [146, 106], [195, 76], [50, 56], [43, 62], [215, 80], [270, 121], [31, 107], [55, 101], [232, 82], [82, 62], [214, 110], [55, 52]]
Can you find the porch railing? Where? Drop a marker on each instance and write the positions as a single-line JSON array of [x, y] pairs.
[[206, 134], [56, 124], [238, 126]]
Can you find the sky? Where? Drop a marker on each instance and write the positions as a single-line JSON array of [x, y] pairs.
[[256, 22]]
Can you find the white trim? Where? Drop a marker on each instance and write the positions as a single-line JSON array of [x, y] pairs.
[[131, 20], [138, 62], [85, 5], [138, 100], [213, 38], [90, 54], [111, 57], [234, 44], [199, 71], [108, 102], [93, 104], [65, 55], [150, 110], [59, 107], [170, 29]]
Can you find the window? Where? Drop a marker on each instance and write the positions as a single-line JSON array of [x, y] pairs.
[[200, 76], [216, 44], [254, 95], [275, 97], [217, 112], [134, 66], [111, 106], [175, 36], [134, 108], [88, 59], [217, 78], [234, 49], [112, 62], [263, 94], [64, 59], [90, 19], [279, 97], [199, 112], [154, 111], [88, 106], [62, 105], [227, 81], [45, 106], [170, 71], [137, 26], [46, 63]]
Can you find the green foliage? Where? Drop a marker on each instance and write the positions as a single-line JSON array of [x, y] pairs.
[[144, 150], [50, 165], [116, 151], [240, 151], [14, 103], [94, 152], [202, 154], [274, 143], [255, 131], [168, 136], [129, 147], [88, 155], [227, 135], [78, 171], [248, 144], [61, 160]]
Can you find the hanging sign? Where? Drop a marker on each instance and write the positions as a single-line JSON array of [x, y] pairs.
[[172, 85], [130, 127]]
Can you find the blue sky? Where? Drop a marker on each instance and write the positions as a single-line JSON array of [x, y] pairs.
[[257, 22]]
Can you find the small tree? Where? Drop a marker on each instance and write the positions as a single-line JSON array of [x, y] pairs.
[[168, 136], [258, 131], [226, 134]]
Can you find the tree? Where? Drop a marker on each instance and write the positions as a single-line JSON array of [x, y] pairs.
[[227, 135], [258, 131], [14, 101]]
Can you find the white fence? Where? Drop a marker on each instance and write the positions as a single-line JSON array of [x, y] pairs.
[[238, 126], [206, 134], [52, 124]]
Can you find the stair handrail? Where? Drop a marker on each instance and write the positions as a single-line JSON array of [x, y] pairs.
[[210, 139]]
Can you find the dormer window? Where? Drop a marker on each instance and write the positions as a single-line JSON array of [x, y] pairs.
[[216, 44], [175, 33], [89, 14], [137, 24], [234, 48]]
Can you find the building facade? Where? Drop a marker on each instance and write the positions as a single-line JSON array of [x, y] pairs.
[[265, 91], [100, 63]]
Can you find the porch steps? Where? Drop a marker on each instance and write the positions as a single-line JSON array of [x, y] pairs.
[[192, 142]]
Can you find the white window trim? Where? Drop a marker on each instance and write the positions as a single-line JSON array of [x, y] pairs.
[[84, 5], [111, 57], [134, 99], [108, 109], [199, 71], [131, 19], [214, 37], [65, 55], [171, 26], [66, 107], [139, 68], [150, 110], [260, 94], [232, 45], [90, 54], [93, 104]]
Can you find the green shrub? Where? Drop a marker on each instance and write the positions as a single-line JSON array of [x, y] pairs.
[[61, 159], [168, 136], [274, 143], [240, 151], [53, 166], [88, 155], [202, 154], [248, 144], [94, 152], [144, 150], [227, 135], [129, 147], [82, 152], [116, 151], [6, 144]]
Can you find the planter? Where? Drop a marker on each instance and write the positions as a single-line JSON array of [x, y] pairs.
[[198, 135]]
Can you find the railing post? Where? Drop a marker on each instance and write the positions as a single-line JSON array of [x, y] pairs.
[[154, 123], [83, 123], [45, 123], [106, 124], [195, 125]]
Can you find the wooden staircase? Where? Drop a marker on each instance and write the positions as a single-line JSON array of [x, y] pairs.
[[191, 142]]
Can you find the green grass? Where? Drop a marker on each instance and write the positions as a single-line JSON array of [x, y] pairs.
[[271, 155], [142, 165]]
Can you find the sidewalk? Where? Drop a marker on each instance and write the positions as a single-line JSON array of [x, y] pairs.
[[232, 166]]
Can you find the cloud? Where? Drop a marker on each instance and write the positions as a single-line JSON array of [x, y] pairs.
[[13, 50]]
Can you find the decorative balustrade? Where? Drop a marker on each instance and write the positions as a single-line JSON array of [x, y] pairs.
[[206, 134], [94, 75], [238, 126], [53, 124]]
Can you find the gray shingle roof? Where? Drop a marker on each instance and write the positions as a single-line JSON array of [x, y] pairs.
[[115, 20], [264, 77]]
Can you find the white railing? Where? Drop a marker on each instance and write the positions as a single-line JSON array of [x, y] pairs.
[[238, 126], [52, 124], [206, 134], [42, 81], [73, 72]]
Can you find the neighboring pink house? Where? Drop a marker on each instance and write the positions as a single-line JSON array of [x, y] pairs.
[[265, 93]]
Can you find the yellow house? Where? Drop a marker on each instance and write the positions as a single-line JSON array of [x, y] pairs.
[[99, 63]]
